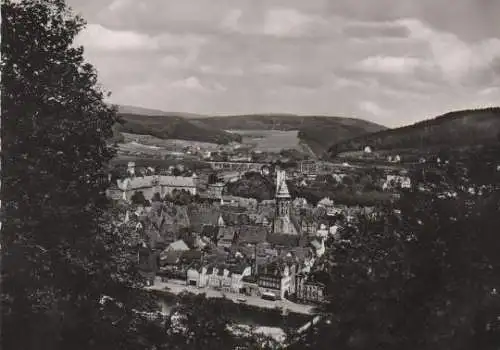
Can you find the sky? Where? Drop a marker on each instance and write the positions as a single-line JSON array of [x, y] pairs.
[[393, 62]]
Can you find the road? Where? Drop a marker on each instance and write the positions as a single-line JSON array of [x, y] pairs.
[[176, 288]]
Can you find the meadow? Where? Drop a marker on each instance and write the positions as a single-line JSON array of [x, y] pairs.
[[269, 140]]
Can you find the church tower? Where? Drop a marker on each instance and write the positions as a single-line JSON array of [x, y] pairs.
[[282, 221], [283, 198]]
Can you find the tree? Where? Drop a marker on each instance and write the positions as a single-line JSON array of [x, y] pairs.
[[63, 249], [431, 271], [200, 323], [156, 197], [176, 172], [58, 244], [138, 198]]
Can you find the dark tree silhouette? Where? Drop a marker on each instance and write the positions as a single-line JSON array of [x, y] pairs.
[[61, 254], [138, 198], [426, 278]]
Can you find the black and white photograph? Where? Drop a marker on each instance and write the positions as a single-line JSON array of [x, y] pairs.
[[250, 174]]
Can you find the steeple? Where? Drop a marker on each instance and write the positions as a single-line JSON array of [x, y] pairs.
[[220, 222], [282, 222], [281, 186]]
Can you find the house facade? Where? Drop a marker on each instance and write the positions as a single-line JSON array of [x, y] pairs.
[[278, 279], [309, 291], [225, 278], [151, 184]]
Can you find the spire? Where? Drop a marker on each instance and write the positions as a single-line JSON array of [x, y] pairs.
[[220, 222], [281, 186]]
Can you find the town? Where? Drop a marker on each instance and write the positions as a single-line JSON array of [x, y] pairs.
[[195, 236], [250, 175]]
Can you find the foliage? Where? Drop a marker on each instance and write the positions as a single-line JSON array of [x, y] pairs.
[[63, 246], [203, 323], [61, 252], [454, 129], [138, 198], [180, 197], [252, 185], [316, 131], [173, 127], [427, 278]]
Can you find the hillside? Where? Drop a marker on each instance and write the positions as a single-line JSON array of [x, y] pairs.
[[455, 129], [319, 132], [173, 127], [125, 109]]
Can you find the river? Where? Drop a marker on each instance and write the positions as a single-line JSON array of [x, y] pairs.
[[268, 321]]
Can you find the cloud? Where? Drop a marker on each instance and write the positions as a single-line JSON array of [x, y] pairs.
[[288, 22], [370, 30], [317, 57], [389, 64], [372, 108], [272, 68], [231, 20], [191, 83], [457, 60], [95, 36]]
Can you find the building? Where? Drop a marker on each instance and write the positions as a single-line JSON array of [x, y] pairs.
[[309, 291], [318, 244], [282, 222], [178, 245], [216, 190], [277, 278], [161, 184], [250, 286], [396, 181], [251, 234], [226, 236]]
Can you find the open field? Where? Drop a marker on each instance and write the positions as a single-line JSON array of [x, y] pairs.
[[269, 140], [170, 144]]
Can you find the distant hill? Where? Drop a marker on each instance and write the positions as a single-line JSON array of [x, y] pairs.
[[124, 109], [172, 127], [318, 132], [455, 129]]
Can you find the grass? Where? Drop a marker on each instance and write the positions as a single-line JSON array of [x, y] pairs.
[[270, 140]]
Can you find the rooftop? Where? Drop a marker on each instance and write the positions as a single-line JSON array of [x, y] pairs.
[[135, 183]]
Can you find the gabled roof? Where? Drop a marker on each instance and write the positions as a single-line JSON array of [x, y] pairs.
[[252, 234], [316, 244], [170, 258], [178, 245], [189, 256], [135, 183], [278, 239], [199, 216], [226, 233], [300, 253]]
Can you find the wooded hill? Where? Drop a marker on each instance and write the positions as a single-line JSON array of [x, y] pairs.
[[173, 127], [456, 129], [318, 132]]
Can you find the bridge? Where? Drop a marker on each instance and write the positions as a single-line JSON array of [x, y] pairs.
[[236, 166]]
